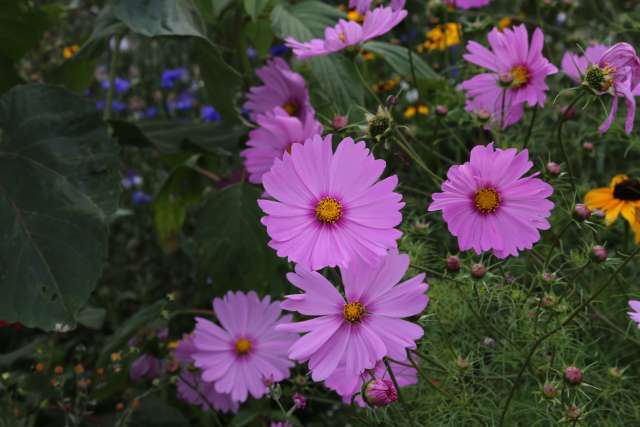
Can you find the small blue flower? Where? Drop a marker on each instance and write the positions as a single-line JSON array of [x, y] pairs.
[[278, 50], [141, 198], [209, 114], [252, 53], [152, 112], [100, 104], [118, 106], [171, 76], [132, 179], [122, 85], [184, 101]]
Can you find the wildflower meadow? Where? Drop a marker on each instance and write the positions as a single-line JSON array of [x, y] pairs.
[[288, 213]]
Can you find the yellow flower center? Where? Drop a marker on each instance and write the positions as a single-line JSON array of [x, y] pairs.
[[353, 311], [328, 210], [342, 37], [354, 15], [520, 75], [243, 346], [291, 108], [486, 200]]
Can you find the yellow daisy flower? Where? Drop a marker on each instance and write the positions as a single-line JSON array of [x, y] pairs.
[[410, 112], [443, 36], [621, 197]]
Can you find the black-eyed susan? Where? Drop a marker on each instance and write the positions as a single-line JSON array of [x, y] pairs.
[[621, 197]]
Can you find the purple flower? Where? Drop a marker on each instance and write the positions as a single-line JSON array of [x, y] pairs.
[[278, 50], [246, 349], [152, 112], [489, 205], [282, 88], [118, 106], [252, 53], [146, 366], [132, 179], [299, 401], [276, 133], [190, 386], [615, 71], [468, 4], [635, 313], [347, 386], [209, 114], [141, 198], [349, 33], [358, 329], [171, 76], [379, 392], [329, 208], [517, 74], [121, 85], [183, 102]]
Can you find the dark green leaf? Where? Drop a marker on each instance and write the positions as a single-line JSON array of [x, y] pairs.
[[58, 186], [28, 351], [75, 74], [107, 25], [154, 18], [8, 74], [233, 244], [304, 20], [20, 29], [183, 188], [255, 7], [260, 35], [92, 317], [154, 412], [398, 58]]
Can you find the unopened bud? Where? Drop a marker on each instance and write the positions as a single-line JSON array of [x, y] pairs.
[[299, 401], [442, 110], [581, 212], [549, 390], [478, 271], [379, 392], [573, 413], [553, 168], [573, 375], [599, 253], [453, 263], [339, 122]]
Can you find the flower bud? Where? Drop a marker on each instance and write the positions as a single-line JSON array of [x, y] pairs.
[[599, 253], [581, 212], [483, 116], [616, 373], [442, 110], [588, 146], [478, 271], [549, 277], [463, 363], [453, 263], [573, 375], [489, 342], [568, 113], [573, 413], [553, 168], [549, 390], [339, 122], [299, 400], [379, 392]]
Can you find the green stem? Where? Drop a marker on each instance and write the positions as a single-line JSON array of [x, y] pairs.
[[400, 397], [569, 318], [402, 142], [531, 123], [112, 76], [424, 377]]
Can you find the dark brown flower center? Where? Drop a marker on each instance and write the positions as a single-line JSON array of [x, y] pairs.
[[628, 190]]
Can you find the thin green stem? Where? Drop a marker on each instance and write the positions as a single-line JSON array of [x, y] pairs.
[[402, 142], [530, 129], [400, 397], [569, 318]]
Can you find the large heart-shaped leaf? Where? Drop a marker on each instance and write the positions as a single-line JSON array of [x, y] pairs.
[[233, 244], [58, 187]]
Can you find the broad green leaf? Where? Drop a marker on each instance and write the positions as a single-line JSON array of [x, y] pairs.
[[58, 186], [232, 243], [260, 35], [154, 18], [8, 74], [255, 7], [172, 137], [20, 28], [183, 188], [92, 317], [28, 351], [107, 25], [398, 58], [336, 75], [75, 74]]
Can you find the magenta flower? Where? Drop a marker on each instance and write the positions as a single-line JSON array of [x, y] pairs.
[[329, 208], [190, 386], [635, 314], [276, 133], [362, 327], [517, 74], [468, 4], [282, 88], [349, 33], [378, 392], [489, 205], [614, 70], [247, 350], [348, 386]]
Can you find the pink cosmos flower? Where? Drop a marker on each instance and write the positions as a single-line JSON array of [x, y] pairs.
[[489, 205], [246, 349], [146, 366], [614, 70], [329, 208], [517, 74], [276, 133], [349, 33], [282, 88], [362, 327], [468, 4], [635, 314], [190, 386], [348, 386]]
